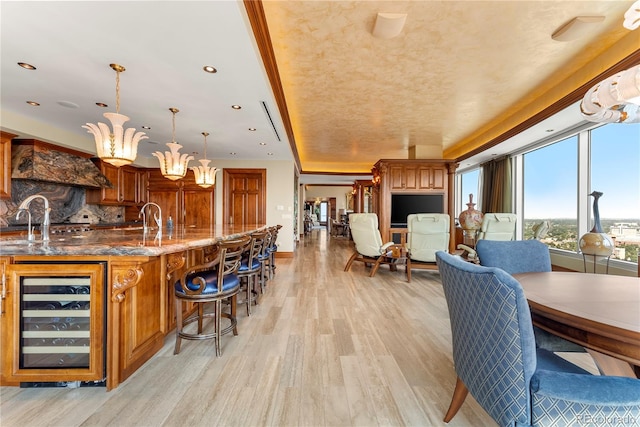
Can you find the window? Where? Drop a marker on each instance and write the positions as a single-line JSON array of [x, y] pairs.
[[550, 178], [470, 185], [615, 171]]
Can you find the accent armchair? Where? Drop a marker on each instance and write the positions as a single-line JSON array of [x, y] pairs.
[[427, 233], [496, 359], [366, 236], [495, 226]]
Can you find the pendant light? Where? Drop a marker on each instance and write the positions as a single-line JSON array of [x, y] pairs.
[[205, 174], [173, 165], [117, 147]]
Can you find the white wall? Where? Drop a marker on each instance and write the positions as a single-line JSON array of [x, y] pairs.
[[280, 195]]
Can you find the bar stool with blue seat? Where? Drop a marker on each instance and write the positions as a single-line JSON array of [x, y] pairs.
[[212, 282], [273, 248], [265, 260], [250, 269]]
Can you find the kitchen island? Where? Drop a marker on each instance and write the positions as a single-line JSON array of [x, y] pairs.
[[127, 313]]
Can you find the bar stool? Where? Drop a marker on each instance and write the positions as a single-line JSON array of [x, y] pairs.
[[265, 257], [201, 284], [251, 268], [273, 248]]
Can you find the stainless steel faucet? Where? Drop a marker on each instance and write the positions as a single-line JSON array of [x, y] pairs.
[[30, 236], [157, 217], [46, 221]]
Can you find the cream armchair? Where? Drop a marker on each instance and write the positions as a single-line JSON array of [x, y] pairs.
[[495, 226], [366, 236]]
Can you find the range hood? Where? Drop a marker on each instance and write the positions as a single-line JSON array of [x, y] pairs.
[[39, 161]]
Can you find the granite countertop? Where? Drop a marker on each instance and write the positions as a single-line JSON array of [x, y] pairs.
[[124, 242]]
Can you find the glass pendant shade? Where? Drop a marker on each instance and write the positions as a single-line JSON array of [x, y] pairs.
[[173, 165], [205, 174], [116, 146]]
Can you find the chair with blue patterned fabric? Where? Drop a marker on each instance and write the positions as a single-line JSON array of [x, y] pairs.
[[496, 359], [524, 256], [201, 285]]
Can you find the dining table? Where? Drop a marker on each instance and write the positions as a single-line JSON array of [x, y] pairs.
[[600, 312]]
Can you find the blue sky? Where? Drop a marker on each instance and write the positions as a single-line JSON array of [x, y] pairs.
[[550, 180]]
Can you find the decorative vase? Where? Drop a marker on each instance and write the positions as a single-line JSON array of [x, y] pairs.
[[470, 221], [595, 242]]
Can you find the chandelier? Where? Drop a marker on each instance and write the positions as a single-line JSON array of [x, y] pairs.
[[173, 165], [617, 98], [119, 147], [205, 175]]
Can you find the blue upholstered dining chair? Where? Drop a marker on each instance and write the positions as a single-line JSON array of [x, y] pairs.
[[524, 256], [496, 359]]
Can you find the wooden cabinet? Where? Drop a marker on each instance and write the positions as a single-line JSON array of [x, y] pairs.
[[52, 321], [413, 177], [187, 203], [397, 176], [126, 186], [5, 164]]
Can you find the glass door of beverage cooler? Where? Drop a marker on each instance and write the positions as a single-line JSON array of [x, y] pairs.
[[56, 320], [55, 316]]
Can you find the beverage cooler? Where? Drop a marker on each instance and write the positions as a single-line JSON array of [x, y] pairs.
[[56, 322], [56, 312]]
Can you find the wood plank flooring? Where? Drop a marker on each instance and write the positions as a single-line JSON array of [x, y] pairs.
[[323, 348]]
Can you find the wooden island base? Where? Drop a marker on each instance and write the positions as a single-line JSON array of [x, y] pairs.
[[131, 297]]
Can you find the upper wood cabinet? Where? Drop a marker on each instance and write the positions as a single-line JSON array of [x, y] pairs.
[[126, 187], [5, 164], [415, 177]]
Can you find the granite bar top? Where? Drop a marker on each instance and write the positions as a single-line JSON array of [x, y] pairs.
[[124, 242]]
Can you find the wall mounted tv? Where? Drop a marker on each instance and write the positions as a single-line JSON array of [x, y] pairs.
[[403, 205]]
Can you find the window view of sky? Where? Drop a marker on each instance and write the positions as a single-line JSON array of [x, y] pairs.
[[551, 175], [550, 181]]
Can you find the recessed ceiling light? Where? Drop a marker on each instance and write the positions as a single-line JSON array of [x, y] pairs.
[[146, 127], [549, 130], [26, 66], [33, 103], [209, 69], [233, 153], [269, 154], [252, 129], [101, 104], [263, 143], [68, 104], [236, 107]]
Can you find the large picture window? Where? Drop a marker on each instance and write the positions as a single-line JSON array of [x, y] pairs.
[[550, 177], [615, 171]]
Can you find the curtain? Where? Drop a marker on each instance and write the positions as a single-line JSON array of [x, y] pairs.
[[495, 188]]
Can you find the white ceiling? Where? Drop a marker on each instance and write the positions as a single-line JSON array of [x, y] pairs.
[[351, 98]]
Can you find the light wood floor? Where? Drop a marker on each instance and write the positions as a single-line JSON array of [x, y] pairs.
[[323, 348]]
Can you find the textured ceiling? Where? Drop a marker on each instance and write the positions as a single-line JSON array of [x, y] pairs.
[[351, 99], [456, 66]]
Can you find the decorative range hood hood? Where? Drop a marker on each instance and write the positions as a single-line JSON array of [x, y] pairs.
[[40, 161]]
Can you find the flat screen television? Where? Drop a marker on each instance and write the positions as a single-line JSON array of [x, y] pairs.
[[403, 205]]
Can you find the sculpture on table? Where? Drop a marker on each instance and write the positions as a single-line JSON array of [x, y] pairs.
[[470, 221], [596, 242]]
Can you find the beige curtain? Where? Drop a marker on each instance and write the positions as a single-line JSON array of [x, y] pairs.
[[496, 194]]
